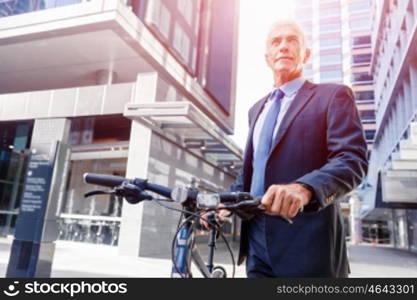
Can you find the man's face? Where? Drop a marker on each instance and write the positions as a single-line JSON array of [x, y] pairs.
[[285, 51]]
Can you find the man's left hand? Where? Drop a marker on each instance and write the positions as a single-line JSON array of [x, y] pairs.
[[286, 199]]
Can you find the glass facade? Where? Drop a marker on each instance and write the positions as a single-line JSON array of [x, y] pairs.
[[95, 219], [361, 42], [14, 144], [16, 7], [176, 23]]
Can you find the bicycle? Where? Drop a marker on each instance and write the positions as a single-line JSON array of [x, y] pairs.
[[183, 248]]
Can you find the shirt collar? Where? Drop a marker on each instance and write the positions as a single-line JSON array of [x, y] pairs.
[[291, 87]]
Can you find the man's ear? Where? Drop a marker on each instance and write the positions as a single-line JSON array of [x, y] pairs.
[[307, 55]]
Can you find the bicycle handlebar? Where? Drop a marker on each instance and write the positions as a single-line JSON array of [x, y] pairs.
[[113, 181], [185, 196], [179, 194]]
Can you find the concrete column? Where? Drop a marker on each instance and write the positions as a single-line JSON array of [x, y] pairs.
[[137, 166], [402, 229], [392, 229], [413, 84]]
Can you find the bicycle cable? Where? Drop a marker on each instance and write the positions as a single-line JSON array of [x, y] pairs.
[[192, 214]]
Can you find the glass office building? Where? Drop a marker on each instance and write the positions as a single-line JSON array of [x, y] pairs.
[[139, 88], [339, 35], [391, 196]]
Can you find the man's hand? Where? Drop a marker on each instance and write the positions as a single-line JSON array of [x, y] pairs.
[[221, 215], [286, 200]]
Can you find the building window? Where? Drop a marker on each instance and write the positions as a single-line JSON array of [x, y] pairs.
[[186, 9], [330, 27], [361, 5], [360, 24], [364, 95], [331, 75], [165, 21], [367, 115], [56, 3], [370, 135], [159, 16], [330, 42], [361, 41], [362, 78], [181, 42], [15, 7], [329, 12], [330, 59], [360, 59]]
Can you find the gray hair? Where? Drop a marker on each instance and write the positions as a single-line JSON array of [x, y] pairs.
[[293, 24]]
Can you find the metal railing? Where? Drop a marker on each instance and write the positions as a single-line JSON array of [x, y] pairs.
[[89, 229]]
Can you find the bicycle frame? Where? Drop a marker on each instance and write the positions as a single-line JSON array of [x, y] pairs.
[[186, 251]]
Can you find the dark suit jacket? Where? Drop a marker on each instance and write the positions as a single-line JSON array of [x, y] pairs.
[[320, 142]]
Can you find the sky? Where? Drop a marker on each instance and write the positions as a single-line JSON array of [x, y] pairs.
[[254, 78]]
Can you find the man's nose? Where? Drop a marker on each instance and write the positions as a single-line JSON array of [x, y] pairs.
[[283, 47]]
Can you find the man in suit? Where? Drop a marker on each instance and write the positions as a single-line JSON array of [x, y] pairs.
[[305, 150]]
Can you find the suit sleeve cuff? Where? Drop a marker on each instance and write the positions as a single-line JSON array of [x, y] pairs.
[[314, 204]]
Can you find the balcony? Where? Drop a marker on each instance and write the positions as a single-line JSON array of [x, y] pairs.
[[84, 101], [399, 181]]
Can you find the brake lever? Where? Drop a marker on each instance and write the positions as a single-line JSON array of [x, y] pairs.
[[132, 193], [260, 208]]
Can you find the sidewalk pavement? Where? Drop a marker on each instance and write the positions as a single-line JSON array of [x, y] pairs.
[[73, 259]]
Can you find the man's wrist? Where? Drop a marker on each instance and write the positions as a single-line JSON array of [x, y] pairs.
[[308, 188]]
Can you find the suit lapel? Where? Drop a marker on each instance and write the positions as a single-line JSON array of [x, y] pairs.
[[247, 159], [253, 118], [300, 100]]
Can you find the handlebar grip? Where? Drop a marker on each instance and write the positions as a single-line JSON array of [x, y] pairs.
[[104, 180]]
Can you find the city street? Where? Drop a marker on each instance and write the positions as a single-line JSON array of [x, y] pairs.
[[88, 260]]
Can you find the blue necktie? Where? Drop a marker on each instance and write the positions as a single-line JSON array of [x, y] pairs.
[[264, 145]]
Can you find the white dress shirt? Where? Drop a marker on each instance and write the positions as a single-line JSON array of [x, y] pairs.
[[290, 90]]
